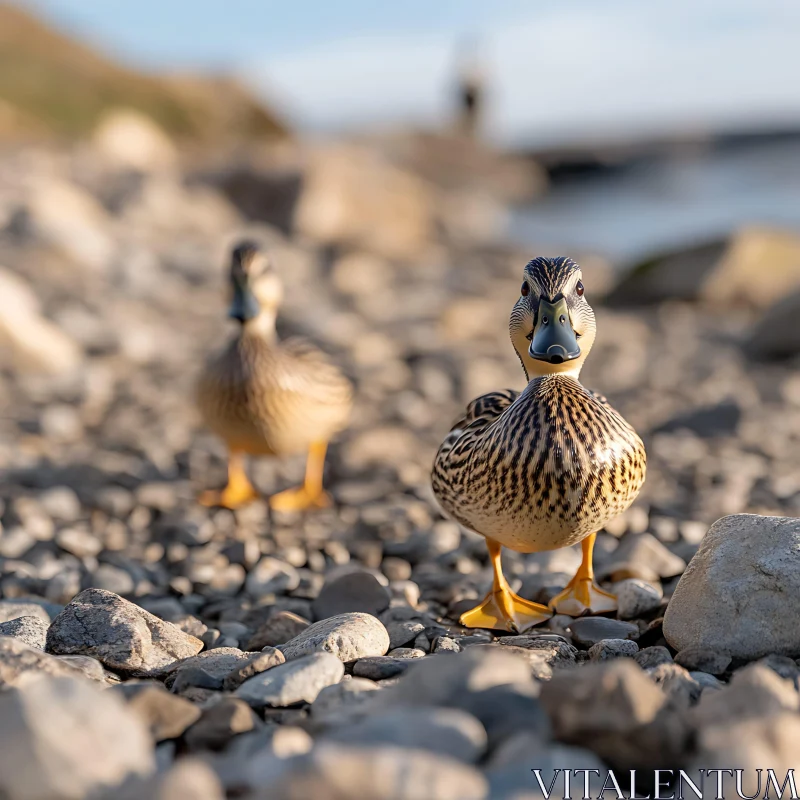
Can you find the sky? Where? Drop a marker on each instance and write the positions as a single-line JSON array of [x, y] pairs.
[[556, 71]]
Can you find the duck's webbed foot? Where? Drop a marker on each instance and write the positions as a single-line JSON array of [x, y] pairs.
[[582, 595], [237, 493], [503, 610]]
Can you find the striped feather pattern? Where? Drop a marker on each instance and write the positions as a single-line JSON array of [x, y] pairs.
[[541, 469]]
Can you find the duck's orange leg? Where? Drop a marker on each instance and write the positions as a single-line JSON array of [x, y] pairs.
[[502, 609], [582, 594]]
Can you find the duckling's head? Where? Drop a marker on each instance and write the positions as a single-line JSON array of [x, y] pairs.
[[256, 289], [552, 324]]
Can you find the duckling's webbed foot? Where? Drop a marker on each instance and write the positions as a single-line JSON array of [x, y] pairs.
[[311, 493], [299, 499], [582, 595], [502, 609], [237, 493]]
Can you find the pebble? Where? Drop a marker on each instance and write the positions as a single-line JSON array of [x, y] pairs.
[[19, 660], [278, 629], [299, 680], [343, 699], [741, 592], [120, 634], [189, 778], [607, 649], [653, 656], [13, 609], [588, 631], [703, 659], [635, 598], [677, 684], [220, 723], [165, 715], [402, 633], [441, 731], [356, 591], [260, 662], [271, 576], [347, 636], [30, 630], [378, 668]]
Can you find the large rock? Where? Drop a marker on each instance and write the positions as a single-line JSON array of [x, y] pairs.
[[63, 739], [741, 592], [27, 339], [118, 633], [352, 196], [347, 636]]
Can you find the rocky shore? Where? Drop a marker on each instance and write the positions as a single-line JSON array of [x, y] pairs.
[[150, 647]]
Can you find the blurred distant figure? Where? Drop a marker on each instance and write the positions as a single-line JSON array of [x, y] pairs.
[[265, 397], [471, 91]]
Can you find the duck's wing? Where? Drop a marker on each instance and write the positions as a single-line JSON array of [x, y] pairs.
[[480, 413], [305, 370]]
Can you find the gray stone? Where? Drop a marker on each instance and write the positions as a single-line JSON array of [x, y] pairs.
[[165, 715], [61, 503], [31, 630], [63, 740], [444, 644], [356, 591], [636, 597], [615, 696], [257, 663], [300, 680], [404, 632], [677, 684], [741, 592], [188, 779], [332, 771], [653, 656], [344, 699], [279, 628], [347, 636], [196, 677], [378, 668], [220, 723], [606, 649], [217, 662], [703, 659], [755, 691], [118, 633], [443, 731], [18, 660], [13, 609], [271, 576], [587, 631]]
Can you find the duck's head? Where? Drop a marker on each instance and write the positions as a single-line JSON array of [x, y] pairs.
[[552, 324], [256, 289]]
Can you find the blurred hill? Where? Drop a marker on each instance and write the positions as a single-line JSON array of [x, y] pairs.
[[52, 85]]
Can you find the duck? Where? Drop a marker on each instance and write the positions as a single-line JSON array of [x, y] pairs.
[[546, 467], [266, 397]]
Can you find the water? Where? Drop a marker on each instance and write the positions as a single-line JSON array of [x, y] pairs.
[[667, 203]]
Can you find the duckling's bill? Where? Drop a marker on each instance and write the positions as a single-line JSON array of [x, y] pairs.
[[244, 305]]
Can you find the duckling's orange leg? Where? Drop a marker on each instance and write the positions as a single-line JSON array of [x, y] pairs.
[[582, 594], [502, 609], [310, 494], [239, 490]]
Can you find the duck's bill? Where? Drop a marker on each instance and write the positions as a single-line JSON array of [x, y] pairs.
[[244, 305], [554, 339]]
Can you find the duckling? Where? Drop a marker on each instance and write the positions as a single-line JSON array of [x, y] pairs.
[[266, 397], [547, 467]]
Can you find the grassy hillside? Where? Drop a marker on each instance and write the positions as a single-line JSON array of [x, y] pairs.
[[52, 84]]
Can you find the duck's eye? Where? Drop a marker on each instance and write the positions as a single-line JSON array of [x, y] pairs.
[[579, 290], [525, 290]]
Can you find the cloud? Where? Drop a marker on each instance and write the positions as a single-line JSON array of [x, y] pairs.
[[566, 72]]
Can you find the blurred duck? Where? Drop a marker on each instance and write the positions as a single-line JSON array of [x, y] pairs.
[[264, 397], [546, 467]]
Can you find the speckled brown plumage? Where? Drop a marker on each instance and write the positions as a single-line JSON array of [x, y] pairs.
[[546, 467], [265, 397]]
